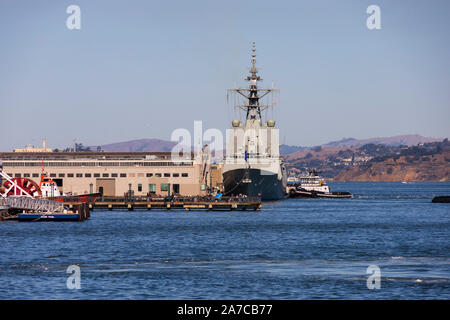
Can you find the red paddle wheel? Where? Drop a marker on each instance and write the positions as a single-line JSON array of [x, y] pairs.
[[31, 187]]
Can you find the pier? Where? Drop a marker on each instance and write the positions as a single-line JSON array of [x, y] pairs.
[[174, 203], [31, 204]]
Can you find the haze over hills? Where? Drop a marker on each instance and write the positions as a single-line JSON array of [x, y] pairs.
[[150, 145], [405, 140], [141, 145]]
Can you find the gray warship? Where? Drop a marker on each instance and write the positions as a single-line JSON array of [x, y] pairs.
[[253, 165]]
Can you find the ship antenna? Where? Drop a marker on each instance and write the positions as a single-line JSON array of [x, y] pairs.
[[253, 97], [253, 107], [254, 71]]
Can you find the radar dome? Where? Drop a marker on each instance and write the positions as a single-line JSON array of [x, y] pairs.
[[271, 123]]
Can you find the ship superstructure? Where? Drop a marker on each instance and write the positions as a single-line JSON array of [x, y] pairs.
[[252, 164], [313, 182]]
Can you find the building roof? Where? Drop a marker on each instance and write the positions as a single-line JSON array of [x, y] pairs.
[[85, 155]]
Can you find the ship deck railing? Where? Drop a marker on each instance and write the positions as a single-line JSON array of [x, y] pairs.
[[254, 156]]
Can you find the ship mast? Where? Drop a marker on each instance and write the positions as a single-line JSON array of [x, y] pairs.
[[253, 108]]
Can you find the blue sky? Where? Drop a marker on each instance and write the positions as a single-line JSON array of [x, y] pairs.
[[140, 69]]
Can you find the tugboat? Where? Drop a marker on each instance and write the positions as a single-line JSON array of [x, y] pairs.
[[49, 190], [313, 186], [441, 199]]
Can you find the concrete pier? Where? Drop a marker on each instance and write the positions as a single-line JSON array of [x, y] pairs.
[[184, 203]]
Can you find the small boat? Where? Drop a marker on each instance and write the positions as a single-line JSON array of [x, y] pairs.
[[48, 217], [313, 186]]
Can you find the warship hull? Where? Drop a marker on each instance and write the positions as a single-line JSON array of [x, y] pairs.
[[253, 183]]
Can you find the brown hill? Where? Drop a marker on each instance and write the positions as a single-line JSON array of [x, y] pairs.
[[434, 167], [320, 153], [375, 162]]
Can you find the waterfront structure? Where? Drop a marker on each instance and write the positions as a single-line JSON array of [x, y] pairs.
[[30, 148], [253, 165], [112, 173]]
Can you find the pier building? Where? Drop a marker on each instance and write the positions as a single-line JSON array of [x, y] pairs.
[[114, 173]]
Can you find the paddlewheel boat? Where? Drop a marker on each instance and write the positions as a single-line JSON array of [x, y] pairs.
[[47, 189]]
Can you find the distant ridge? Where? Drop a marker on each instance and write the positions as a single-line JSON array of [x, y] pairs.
[[406, 140], [141, 145], [286, 149], [154, 145]]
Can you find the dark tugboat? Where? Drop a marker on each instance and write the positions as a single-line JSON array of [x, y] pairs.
[[313, 186], [441, 199]]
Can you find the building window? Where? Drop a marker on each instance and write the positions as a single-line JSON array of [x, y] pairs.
[[96, 175], [87, 175], [152, 188], [175, 175], [114, 175], [139, 187], [80, 175], [158, 175], [164, 187], [123, 175], [105, 175], [97, 163], [149, 175], [26, 175], [176, 188], [70, 175], [53, 175], [61, 175], [167, 175], [35, 175], [184, 174]]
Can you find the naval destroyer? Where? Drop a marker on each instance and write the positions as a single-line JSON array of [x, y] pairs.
[[253, 165]]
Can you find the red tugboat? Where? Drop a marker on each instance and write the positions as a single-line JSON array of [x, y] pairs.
[[49, 190]]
